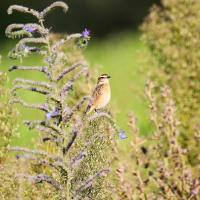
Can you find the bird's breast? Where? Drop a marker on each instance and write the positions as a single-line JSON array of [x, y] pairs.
[[104, 98]]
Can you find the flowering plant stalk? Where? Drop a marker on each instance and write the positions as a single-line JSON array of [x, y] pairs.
[[159, 166], [73, 158]]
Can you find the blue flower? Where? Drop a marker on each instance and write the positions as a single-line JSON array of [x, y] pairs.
[[122, 135], [84, 39], [86, 33], [29, 29], [48, 115], [53, 113]]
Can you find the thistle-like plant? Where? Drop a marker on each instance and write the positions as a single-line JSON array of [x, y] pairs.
[[73, 158], [159, 166]]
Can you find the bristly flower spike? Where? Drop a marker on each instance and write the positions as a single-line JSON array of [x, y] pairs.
[[63, 125]]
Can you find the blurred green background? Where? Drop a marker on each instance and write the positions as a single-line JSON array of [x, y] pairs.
[[115, 48]]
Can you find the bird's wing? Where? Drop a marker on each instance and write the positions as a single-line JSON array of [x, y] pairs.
[[97, 91]]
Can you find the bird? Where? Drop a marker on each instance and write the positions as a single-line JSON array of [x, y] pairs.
[[101, 94]]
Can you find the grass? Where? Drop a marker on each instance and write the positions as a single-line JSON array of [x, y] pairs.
[[118, 55]]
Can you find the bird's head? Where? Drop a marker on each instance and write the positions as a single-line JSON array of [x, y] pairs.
[[104, 78]]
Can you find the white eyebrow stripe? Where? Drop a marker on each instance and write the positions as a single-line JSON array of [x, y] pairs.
[[103, 76]]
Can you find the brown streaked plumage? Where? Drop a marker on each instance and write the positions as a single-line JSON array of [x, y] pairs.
[[101, 94]]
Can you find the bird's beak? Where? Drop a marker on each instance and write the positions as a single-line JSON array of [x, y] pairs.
[[109, 77]]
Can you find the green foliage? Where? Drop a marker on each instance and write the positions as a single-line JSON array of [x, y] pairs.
[[96, 140], [9, 187], [7, 117], [172, 33], [8, 128]]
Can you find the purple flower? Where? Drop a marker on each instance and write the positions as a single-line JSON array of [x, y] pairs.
[[30, 29], [86, 33], [48, 115], [122, 135], [55, 113], [51, 114]]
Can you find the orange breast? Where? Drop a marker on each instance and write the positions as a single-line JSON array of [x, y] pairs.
[[103, 99]]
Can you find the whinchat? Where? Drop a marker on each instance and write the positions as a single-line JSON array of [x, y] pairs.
[[101, 94]]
